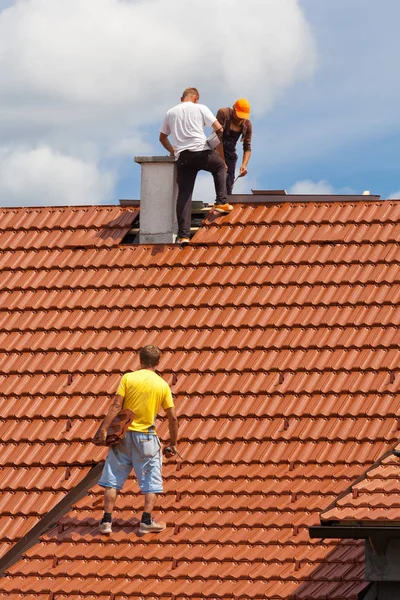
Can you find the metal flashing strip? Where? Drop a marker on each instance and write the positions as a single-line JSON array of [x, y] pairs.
[[128, 202], [269, 192], [50, 519], [260, 198]]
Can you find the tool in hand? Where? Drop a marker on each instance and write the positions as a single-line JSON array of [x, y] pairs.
[[169, 451]]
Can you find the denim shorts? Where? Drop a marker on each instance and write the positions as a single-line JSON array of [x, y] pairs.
[[140, 451]]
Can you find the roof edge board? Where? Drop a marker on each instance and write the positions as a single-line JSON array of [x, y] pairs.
[[49, 520], [355, 532]]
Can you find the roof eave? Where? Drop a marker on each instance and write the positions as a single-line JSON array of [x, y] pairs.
[[354, 532]]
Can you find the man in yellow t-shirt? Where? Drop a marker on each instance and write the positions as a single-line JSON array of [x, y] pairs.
[[144, 392]]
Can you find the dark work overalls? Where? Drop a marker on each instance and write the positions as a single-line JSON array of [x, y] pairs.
[[230, 139]]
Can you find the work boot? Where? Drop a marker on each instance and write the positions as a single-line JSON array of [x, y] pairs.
[[183, 241], [105, 527], [223, 208], [154, 527]]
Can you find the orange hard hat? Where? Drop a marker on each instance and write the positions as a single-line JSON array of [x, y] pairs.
[[242, 108]]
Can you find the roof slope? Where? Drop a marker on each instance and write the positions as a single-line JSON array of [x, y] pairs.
[[280, 331], [372, 500]]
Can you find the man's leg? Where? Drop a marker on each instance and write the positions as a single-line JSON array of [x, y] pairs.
[[115, 472], [186, 178], [147, 463], [149, 502], [215, 165], [110, 496], [230, 176]]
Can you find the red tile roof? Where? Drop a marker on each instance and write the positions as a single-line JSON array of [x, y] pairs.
[[373, 500], [280, 332]]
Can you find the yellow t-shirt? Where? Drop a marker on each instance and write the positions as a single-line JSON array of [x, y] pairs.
[[144, 392]]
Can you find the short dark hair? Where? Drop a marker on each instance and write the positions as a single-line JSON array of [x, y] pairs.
[[190, 92], [150, 356]]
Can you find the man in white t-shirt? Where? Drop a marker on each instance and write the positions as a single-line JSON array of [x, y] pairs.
[[185, 122]]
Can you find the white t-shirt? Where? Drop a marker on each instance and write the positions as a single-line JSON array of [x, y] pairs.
[[185, 123]]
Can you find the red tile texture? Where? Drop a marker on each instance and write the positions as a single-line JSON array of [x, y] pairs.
[[280, 331], [372, 500]]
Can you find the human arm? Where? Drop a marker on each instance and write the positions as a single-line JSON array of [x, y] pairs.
[[243, 167], [173, 427], [165, 130], [246, 150], [218, 127], [219, 124], [221, 119], [210, 121], [113, 410], [166, 143], [219, 131], [168, 406]]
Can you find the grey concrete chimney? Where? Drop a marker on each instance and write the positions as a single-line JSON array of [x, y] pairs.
[[158, 192]]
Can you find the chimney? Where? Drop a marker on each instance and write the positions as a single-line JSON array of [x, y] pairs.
[[158, 192]]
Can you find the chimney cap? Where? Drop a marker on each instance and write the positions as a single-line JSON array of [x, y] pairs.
[[154, 159]]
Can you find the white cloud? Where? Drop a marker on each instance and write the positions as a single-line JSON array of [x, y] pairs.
[[351, 102], [111, 54], [94, 74], [394, 196], [322, 187], [51, 178], [133, 145], [204, 189], [307, 186]]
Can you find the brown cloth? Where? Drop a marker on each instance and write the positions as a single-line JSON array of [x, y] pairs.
[[117, 429], [246, 131]]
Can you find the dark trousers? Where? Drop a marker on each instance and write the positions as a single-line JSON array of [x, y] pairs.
[[230, 175], [188, 165]]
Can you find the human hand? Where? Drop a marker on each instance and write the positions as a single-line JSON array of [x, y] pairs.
[[169, 451], [242, 171], [102, 436]]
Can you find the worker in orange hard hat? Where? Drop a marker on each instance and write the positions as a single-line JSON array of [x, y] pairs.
[[236, 124]]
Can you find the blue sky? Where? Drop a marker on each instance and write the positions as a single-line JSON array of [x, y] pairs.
[[341, 126], [85, 84]]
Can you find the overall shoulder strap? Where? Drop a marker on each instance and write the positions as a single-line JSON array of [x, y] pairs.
[[228, 119]]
